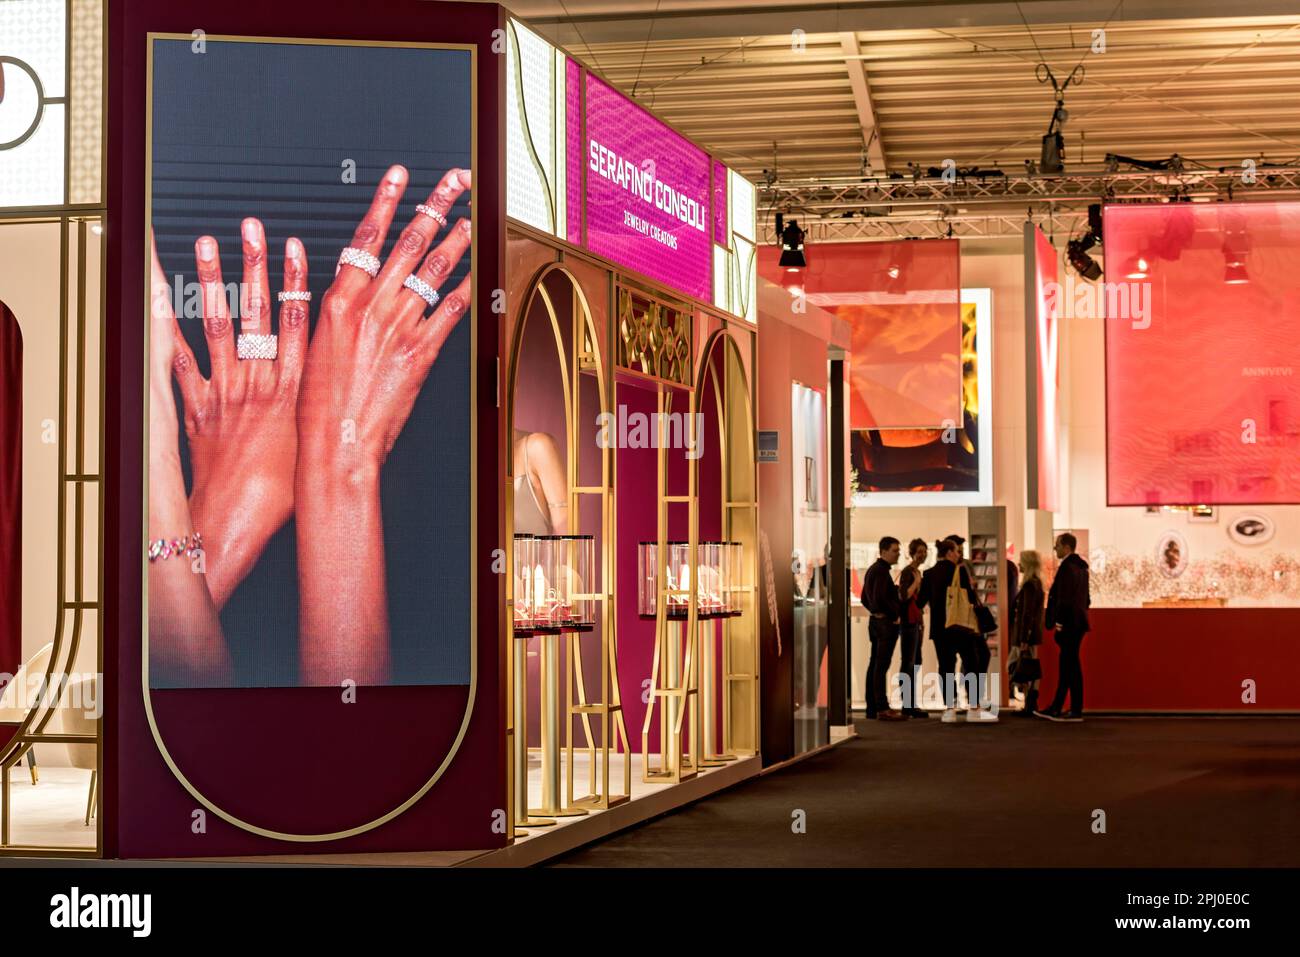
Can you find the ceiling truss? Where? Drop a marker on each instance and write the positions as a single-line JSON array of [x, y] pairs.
[[975, 206]]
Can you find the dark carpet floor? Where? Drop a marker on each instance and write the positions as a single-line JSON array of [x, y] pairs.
[[1176, 792]]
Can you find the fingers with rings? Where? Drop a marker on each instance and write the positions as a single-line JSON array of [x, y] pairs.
[[437, 268], [419, 233]]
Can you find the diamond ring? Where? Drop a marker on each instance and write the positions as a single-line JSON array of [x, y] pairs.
[[422, 289], [367, 263], [250, 346], [293, 296], [432, 213]]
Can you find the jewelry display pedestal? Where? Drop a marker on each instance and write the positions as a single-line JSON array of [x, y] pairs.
[[710, 692], [549, 710]]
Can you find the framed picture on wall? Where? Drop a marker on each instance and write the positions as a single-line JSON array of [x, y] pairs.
[[1172, 554], [1250, 529]]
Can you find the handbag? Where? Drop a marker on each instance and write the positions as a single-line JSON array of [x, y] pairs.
[[984, 616], [1028, 669], [960, 613]]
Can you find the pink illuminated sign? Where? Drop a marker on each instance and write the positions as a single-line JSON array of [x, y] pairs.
[[647, 194]]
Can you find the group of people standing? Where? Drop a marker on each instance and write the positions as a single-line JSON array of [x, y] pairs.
[[896, 610]]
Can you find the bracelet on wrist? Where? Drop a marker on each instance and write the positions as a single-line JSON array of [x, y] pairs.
[[163, 548]]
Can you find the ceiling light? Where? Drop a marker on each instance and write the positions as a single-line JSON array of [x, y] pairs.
[[792, 255], [1076, 252]]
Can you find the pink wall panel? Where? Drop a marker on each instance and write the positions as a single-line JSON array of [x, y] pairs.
[[1203, 377], [902, 301]]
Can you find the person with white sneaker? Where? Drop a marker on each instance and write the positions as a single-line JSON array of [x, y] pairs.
[[948, 590]]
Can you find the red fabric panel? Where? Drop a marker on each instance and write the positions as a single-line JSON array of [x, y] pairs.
[[902, 301], [1203, 376], [1047, 350], [1185, 659], [11, 492]]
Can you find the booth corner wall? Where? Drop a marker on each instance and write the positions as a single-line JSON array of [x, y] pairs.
[[257, 734]]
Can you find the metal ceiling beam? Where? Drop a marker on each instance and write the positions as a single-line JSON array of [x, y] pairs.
[[993, 226], [857, 68], [833, 198], [615, 21]]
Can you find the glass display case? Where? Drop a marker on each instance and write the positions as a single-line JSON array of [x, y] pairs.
[[552, 579], [715, 576]]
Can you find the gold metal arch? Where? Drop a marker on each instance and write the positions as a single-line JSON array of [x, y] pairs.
[[583, 354], [683, 685], [740, 688], [72, 485]]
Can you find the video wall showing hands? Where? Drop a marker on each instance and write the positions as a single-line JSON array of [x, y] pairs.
[[309, 499]]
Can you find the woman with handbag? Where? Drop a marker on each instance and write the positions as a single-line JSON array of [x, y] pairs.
[[1027, 630], [949, 590]]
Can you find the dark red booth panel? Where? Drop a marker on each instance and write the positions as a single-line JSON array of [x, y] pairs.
[[1186, 659]]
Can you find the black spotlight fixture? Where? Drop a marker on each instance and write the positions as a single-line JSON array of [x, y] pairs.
[[792, 254], [1076, 250]]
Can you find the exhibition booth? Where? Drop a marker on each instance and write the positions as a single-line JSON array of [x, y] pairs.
[[1149, 411], [390, 461], [379, 468]]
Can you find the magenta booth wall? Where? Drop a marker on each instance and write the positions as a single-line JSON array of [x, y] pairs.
[[291, 759]]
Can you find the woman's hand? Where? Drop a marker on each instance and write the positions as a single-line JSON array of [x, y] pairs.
[[186, 645], [371, 353], [373, 346], [241, 423]]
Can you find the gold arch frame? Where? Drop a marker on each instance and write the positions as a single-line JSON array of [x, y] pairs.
[[586, 351], [31, 731], [739, 523], [677, 686]]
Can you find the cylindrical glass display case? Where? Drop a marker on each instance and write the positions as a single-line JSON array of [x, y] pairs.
[[576, 576], [678, 583], [709, 578], [553, 580], [527, 571], [715, 573]]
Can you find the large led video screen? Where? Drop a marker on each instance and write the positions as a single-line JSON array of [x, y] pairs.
[[309, 495], [938, 466], [901, 300], [1202, 354]]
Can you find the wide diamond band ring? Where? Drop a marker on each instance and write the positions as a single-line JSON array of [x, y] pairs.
[[422, 289], [249, 346], [367, 263], [294, 296], [432, 213]]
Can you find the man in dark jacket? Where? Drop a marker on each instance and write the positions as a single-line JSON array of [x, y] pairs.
[[1067, 611], [880, 596]]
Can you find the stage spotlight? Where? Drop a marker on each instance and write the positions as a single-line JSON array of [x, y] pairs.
[[1076, 251], [792, 254]]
